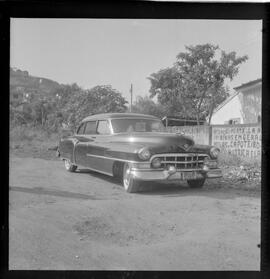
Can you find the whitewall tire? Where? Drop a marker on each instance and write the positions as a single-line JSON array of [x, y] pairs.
[[69, 166], [130, 184]]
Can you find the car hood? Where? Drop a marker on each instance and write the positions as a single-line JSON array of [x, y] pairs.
[[157, 142]]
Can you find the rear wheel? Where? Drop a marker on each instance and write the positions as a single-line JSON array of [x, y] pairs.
[[69, 166], [196, 183], [130, 184]]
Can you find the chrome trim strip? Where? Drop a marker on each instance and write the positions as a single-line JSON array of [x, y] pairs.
[[182, 162], [115, 159], [179, 155], [161, 169]]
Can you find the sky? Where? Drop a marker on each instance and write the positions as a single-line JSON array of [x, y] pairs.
[[119, 52]]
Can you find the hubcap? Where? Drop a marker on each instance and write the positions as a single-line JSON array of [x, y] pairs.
[[127, 176], [67, 164]]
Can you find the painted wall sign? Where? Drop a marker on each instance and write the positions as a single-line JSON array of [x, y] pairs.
[[240, 140], [243, 140]]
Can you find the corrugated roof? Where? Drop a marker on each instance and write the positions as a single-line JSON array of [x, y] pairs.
[[250, 83]]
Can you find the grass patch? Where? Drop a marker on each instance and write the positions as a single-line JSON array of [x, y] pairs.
[[23, 134], [33, 141], [226, 159]]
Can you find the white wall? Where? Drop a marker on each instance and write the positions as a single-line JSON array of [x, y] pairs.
[[251, 99], [232, 109]]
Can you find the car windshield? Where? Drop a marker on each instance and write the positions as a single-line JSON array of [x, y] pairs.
[[136, 125]]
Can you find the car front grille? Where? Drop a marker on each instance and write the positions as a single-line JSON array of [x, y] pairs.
[[182, 160]]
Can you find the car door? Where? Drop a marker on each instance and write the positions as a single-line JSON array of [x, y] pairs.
[[83, 137], [97, 148]]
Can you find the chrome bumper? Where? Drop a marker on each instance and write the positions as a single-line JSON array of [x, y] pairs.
[[152, 174]]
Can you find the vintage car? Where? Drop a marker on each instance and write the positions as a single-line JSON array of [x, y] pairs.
[[136, 148]]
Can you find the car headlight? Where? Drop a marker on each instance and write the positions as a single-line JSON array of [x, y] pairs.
[[214, 152], [156, 163], [144, 154]]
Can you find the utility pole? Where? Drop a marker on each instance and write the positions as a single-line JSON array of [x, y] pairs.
[[131, 96]]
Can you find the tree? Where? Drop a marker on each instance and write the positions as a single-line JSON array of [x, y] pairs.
[[100, 99], [41, 108], [195, 85], [146, 105], [63, 94]]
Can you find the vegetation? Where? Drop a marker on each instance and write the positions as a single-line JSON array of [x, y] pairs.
[[52, 106], [146, 105], [194, 86]]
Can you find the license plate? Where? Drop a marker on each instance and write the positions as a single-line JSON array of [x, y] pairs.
[[185, 175]]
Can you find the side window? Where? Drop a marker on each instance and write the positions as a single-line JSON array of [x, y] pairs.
[[90, 128], [80, 130], [103, 127]]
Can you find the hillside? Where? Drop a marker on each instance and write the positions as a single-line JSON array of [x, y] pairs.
[[22, 82]]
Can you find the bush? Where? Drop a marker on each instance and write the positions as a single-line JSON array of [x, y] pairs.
[[29, 133]]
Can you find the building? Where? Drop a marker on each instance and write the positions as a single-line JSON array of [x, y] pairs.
[[243, 107], [179, 121]]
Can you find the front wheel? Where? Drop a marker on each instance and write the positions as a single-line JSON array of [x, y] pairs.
[[69, 167], [130, 184], [196, 183]]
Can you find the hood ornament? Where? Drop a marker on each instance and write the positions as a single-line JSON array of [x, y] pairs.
[[186, 146]]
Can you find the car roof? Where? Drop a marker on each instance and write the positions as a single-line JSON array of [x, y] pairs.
[[117, 115]]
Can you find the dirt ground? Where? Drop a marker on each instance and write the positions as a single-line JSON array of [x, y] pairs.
[[85, 221]]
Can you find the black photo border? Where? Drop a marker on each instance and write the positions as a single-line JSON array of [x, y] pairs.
[[136, 10]]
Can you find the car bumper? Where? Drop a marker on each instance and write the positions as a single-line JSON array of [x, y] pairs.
[[152, 175]]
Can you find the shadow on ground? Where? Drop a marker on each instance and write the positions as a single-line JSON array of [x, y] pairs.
[[56, 193], [212, 188]]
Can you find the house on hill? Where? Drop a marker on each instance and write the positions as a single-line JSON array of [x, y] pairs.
[[243, 107]]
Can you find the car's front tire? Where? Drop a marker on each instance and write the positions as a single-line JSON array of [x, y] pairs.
[[196, 183], [130, 184], [69, 166]]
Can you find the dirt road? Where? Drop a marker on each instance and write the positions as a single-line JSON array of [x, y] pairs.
[[83, 220]]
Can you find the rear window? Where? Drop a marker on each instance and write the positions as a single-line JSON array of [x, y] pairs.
[[90, 128]]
